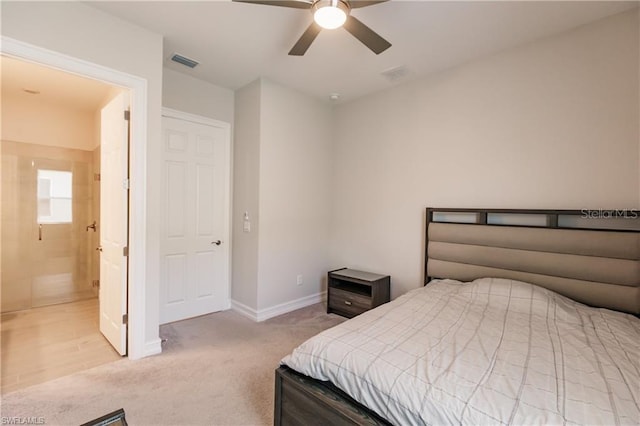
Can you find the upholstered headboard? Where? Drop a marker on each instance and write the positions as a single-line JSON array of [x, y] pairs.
[[592, 256]]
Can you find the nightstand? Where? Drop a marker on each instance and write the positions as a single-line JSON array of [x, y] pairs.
[[352, 292]]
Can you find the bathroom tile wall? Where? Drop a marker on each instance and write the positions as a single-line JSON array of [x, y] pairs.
[[57, 268]]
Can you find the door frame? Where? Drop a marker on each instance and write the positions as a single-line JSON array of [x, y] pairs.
[[181, 115], [137, 86]]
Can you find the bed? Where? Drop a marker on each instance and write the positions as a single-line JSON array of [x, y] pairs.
[[509, 328]]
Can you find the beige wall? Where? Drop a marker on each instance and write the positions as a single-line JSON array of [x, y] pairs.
[[80, 31], [246, 181], [27, 119], [282, 160], [188, 94], [295, 160], [552, 124]]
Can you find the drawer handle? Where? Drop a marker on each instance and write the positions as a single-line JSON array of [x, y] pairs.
[[346, 302]]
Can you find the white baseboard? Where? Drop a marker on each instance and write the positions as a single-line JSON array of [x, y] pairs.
[[244, 310], [152, 348], [277, 310]]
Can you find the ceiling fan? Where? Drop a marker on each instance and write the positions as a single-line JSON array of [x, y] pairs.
[[331, 14]]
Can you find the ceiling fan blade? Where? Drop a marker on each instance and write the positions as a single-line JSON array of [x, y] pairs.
[[296, 4], [366, 35], [305, 40], [364, 3]]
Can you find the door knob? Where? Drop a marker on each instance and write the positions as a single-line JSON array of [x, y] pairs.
[[218, 242], [92, 226]]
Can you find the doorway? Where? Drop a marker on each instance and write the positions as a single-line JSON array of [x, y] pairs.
[[143, 339], [50, 223]]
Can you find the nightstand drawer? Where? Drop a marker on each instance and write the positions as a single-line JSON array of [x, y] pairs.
[[353, 292], [348, 302]]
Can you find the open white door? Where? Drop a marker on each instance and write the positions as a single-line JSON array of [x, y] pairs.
[[114, 195]]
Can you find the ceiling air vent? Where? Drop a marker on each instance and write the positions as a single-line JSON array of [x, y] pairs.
[[396, 73], [176, 57]]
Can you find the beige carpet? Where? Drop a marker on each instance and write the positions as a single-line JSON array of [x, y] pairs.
[[214, 370]]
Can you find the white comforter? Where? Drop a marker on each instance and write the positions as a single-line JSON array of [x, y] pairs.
[[487, 352]]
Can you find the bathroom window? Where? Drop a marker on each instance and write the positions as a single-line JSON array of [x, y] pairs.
[[54, 196]]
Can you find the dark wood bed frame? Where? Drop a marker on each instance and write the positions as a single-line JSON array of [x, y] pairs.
[[301, 400]]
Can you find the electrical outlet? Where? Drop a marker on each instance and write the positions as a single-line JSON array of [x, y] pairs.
[[299, 280]]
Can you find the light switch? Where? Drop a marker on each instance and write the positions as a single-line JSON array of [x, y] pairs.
[[246, 225]]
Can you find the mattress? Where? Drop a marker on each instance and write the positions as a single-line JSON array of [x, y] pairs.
[[486, 352]]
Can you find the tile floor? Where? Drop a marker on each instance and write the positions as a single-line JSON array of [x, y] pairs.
[[42, 344]]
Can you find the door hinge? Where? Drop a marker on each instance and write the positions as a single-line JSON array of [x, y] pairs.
[[96, 283], [127, 115], [125, 319], [126, 183], [96, 177], [125, 251]]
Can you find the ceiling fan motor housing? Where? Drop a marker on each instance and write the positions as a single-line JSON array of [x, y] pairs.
[[330, 14], [340, 4]]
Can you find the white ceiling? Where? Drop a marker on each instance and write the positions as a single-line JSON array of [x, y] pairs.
[[236, 43], [54, 86]]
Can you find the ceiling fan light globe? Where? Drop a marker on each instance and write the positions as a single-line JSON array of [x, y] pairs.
[[330, 14]]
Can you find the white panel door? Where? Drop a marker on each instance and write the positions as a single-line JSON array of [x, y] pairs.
[[114, 197], [195, 219]]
